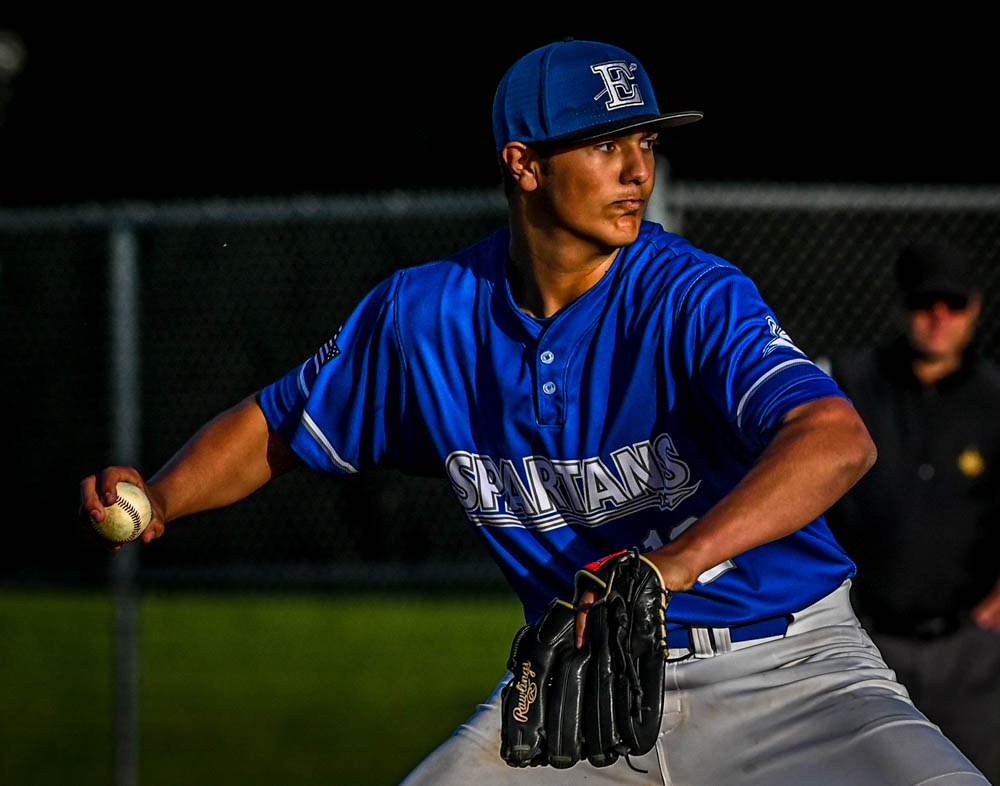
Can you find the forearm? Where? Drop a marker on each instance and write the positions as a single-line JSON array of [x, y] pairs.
[[229, 458], [821, 450]]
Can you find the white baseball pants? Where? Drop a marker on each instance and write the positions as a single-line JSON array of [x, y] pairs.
[[816, 707]]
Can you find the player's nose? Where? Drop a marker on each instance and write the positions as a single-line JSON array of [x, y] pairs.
[[637, 165]]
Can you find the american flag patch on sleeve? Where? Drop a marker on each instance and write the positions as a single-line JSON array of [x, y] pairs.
[[327, 352]]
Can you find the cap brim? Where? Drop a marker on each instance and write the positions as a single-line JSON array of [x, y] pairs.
[[668, 120], [942, 286]]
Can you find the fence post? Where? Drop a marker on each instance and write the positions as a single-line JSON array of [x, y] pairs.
[[658, 209], [126, 443]]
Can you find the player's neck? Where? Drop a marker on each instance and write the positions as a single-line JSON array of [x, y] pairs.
[[547, 274]]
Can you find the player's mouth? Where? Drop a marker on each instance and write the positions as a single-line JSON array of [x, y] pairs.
[[630, 205]]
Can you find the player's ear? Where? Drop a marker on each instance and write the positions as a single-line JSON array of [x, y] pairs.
[[523, 165]]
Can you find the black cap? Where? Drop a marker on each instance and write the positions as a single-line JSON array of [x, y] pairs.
[[935, 267]]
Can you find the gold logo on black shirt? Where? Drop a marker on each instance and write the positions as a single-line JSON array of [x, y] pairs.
[[971, 462]]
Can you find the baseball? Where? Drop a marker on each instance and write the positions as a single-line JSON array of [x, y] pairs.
[[128, 517]]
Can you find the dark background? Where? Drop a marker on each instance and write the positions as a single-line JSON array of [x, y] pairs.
[[169, 107], [166, 108]]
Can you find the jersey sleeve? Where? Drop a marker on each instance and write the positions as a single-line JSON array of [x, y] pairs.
[[744, 366], [340, 410]]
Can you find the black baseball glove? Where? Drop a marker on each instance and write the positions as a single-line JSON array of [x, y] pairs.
[[601, 701]]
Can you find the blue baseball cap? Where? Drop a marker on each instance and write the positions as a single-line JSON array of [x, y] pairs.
[[572, 91]]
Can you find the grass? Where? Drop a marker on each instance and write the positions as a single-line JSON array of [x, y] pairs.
[[246, 689]]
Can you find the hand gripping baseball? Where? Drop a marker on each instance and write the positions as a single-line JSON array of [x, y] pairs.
[[601, 700], [101, 490]]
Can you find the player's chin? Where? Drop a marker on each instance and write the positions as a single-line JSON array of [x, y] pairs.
[[626, 228]]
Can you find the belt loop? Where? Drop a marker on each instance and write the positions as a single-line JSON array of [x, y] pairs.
[[701, 643], [709, 642], [722, 639]]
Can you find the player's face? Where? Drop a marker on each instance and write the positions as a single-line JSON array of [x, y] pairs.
[[598, 191], [942, 327]]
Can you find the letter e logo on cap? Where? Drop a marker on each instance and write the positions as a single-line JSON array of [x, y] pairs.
[[619, 84]]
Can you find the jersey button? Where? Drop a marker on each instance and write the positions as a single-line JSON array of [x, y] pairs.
[[547, 357], [549, 388]]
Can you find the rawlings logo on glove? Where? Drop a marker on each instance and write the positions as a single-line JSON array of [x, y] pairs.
[[527, 693], [601, 701]]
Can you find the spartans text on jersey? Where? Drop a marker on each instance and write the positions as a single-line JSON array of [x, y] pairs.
[[544, 493]]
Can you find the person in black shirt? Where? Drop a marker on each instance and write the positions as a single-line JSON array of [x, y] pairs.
[[924, 525]]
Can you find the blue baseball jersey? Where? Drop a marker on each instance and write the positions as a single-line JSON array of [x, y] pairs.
[[616, 423]]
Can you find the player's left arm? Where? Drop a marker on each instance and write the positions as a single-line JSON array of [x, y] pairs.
[[986, 613], [821, 449]]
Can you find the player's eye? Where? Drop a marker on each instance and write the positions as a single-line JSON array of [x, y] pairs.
[[606, 146], [649, 142]]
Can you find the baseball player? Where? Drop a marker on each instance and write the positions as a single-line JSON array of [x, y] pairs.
[[589, 382]]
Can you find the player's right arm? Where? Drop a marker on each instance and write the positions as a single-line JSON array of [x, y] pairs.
[[241, 449], [229, 458]]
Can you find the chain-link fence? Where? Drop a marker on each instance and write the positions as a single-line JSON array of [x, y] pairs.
[[232, 295]]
